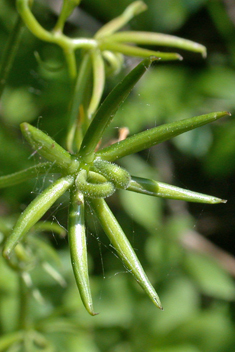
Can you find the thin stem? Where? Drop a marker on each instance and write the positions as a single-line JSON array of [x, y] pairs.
[[10, 52], [23, 322], [117, 23]]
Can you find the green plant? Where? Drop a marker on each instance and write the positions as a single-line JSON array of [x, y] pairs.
[[90, 174]]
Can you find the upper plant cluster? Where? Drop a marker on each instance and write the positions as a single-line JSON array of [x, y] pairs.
[[89, 173]]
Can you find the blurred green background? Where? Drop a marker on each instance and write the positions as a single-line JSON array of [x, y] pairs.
[[187, 249]]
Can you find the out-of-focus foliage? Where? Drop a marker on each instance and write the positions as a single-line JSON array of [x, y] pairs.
[[194, 280]]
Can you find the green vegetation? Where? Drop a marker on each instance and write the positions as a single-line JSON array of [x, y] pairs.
[[66, 83]]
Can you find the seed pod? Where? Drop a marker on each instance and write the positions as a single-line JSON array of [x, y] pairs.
[[93, 190], [163, 190], [114, 173], [78, 250], [36, 209], [46, 146], [123, 247]]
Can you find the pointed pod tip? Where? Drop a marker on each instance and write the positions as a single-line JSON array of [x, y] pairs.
[[204, 53], [225, 113], [152, 59], [24, 126], [157, 302], [6, 253], [223, 201], [180, 57], [91, 311]]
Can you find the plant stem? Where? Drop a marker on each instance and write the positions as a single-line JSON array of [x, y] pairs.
[[10, 52], [23, 304]]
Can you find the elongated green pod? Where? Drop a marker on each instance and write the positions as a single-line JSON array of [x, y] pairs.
[[136, 51], [24, 175], [150, 38], [107, 110], [163, 190], [75, 126], [78, 249], [117, 23], [123, 247], [36, 209], [93, 190], [114, 173], [98, 81], [156, 135], [47, 147]]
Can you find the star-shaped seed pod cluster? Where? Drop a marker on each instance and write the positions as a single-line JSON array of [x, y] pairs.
[[91, 176]]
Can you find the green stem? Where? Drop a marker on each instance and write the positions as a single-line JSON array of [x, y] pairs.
[[10, 52], [117, 23], [23, 305]]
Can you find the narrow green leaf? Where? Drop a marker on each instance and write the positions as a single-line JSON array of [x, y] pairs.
[[123, 247], [24, 175], [156, 135], [46, 146], [163, 190], [150, 38], [107, 110], [36, 209], [117, 23], [78, 249], [136, 51]]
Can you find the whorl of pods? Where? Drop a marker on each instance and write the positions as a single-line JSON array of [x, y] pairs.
[[91, 176]]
